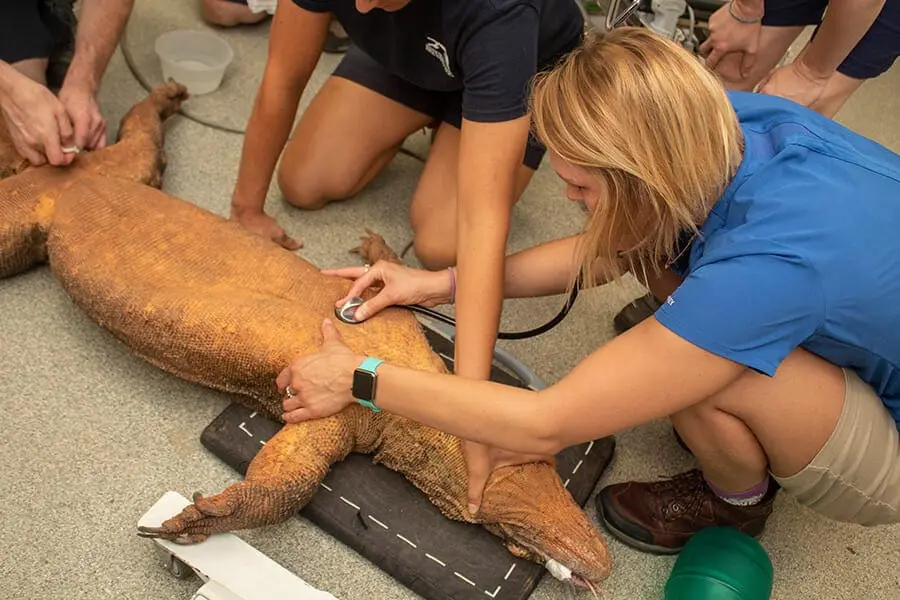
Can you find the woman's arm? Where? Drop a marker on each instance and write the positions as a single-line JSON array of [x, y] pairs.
[[645, 374], [490, 155], [542, 270], [296, 40], [845, 23], [615, 388]]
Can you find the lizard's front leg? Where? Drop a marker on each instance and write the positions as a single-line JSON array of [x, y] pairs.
[[280, 481]]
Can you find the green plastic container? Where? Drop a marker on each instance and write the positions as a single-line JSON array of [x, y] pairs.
[[720, 563]]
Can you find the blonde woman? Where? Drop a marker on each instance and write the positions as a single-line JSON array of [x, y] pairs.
[[777, 353]]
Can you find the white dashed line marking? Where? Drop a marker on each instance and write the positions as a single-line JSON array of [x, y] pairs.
[[494, 595], [438, 561], [406, 540], [464, 578], [244, 429], [578, 466], [253, 414], [350, 503], [262, 442], [378, 522], [326, 487], [566, 484], [508, 573], [589, 448]]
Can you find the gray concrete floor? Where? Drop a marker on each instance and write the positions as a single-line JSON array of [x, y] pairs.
[[92, 436]]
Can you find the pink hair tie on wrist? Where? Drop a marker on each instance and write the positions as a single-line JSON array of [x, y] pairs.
[[452, 285]]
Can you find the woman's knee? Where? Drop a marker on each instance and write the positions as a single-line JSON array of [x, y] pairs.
[[434, 249], [311, 186]]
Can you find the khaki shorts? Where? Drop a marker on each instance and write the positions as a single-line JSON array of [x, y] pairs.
[[855, 477]]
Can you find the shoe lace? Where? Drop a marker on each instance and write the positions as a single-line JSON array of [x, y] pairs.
[[682, 496]]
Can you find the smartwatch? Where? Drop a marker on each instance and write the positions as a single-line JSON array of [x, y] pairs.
[[364, 380]]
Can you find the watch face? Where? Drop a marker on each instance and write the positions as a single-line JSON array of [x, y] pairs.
[[363, 385]]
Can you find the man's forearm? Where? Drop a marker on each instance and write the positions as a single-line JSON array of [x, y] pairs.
[[100, 27], [845, 23]]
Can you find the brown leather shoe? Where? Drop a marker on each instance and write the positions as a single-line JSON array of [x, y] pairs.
[[659, 517]]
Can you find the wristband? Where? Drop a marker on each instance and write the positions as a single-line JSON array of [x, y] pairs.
[[741, 19], [365, 380]]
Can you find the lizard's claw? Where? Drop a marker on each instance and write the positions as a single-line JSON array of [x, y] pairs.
[[196, 522], [241, 506]]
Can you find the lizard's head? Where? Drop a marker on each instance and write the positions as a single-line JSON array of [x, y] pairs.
[[529, 507]]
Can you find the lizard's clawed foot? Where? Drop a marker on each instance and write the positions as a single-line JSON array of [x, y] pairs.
[[373, 248], [242, 506]]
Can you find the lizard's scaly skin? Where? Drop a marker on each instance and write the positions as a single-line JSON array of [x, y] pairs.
[[205, 300]]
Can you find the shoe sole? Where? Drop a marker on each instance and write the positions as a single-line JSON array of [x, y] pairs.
[[630, 541]]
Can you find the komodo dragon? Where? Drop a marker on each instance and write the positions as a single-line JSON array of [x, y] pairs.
[[199, 297]]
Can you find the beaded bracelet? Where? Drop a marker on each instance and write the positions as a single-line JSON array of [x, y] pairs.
[[741, 19]]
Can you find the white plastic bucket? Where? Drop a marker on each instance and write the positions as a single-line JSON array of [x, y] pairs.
[[196, 59]]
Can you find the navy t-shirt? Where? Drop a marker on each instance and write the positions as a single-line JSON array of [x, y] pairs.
[[802, 250], [488, 49]]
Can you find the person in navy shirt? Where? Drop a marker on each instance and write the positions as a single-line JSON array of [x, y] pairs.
[[462, 67], [772, 232]]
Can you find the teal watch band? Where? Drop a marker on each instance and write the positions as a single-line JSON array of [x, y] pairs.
[[364, 380]]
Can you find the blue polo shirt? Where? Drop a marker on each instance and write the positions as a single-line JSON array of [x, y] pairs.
[[802, 250]]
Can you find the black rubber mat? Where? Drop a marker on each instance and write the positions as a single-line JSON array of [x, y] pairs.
[[382, 516]]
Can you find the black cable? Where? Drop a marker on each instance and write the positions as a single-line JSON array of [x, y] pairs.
[[506, 335]]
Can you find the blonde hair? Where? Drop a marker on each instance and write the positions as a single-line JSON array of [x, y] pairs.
[[655, 126]]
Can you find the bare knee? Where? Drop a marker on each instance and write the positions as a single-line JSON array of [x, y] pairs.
[[435, 250], [311, 186]]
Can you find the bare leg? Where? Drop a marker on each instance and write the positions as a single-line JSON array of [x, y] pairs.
[[229, 14], [756, 425], [759, 423], [344, 139], [433, 210]]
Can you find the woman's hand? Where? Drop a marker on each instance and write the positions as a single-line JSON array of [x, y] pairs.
[[795, 82], [262, 224], [318, 385], [481, 462], [401, 285]]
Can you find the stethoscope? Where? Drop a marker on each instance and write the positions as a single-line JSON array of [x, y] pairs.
[[346, 312]]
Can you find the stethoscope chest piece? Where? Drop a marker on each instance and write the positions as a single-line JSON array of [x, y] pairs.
[[347, 311]]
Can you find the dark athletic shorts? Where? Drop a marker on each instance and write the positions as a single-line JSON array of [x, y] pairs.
[[23, 34], [872, 56], [359, 68]]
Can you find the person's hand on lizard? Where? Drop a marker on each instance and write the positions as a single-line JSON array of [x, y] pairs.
[[262, 224], [796, 82], [38, 123], [482, 461], [399, 286], [88, 125]]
